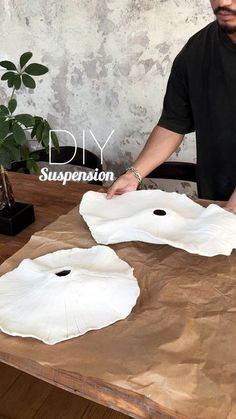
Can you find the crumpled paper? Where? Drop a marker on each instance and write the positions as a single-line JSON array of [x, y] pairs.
[[176, 349]]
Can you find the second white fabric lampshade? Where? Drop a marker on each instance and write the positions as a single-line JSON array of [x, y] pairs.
[[155, 216]]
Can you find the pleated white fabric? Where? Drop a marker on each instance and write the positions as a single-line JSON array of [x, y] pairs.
[[64, 294], [155, 216]]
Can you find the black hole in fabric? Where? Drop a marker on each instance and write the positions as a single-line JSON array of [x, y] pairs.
[[63, 273], [159, 212]]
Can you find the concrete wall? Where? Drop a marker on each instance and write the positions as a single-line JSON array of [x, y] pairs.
[[109, 61]]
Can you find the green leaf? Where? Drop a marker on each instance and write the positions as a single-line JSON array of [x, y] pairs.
[[25, 152], [5, 158], [10, 137], [14, 152], [12, 148], [16, 81], [37, 120], [32, 166], [55, 141], [3, 110], [36, 69], [25, 119], [19, 134], [10, 82], [33, 132], [11, 123], [25, 58], [39, 131], [34, 155], [4, 128], [45, 135], [8, 65], [12, 105], [8, 75], [28, 81]]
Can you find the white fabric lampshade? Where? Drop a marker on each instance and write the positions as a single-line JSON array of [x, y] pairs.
[[155, 216], [66, 293]]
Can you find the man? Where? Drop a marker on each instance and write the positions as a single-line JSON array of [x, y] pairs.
[[201, 97]]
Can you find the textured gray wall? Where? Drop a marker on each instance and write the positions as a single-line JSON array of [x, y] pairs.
[[109, 61]]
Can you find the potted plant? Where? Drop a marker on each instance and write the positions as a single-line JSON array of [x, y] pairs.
[[16, 131], [14, 144]]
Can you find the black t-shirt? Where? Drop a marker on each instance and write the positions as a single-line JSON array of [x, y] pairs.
[[201, 97]]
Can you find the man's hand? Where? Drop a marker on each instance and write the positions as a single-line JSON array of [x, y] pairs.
[[125, 183], [158, 148], [231, 204]]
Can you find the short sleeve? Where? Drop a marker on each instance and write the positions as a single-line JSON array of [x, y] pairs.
[[177, 113]]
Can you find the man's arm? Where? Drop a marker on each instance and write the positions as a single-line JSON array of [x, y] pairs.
[[231, 204], [176, 120], [158, 148]]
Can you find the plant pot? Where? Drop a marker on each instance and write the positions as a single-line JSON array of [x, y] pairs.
[[15, 219], [19, 166]]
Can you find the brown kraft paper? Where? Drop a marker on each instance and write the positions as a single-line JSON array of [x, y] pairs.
[[177, 347]]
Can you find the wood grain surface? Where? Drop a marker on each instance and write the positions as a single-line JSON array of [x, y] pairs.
[[23, 396]]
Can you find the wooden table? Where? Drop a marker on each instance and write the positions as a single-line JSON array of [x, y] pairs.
[[206, 278]]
